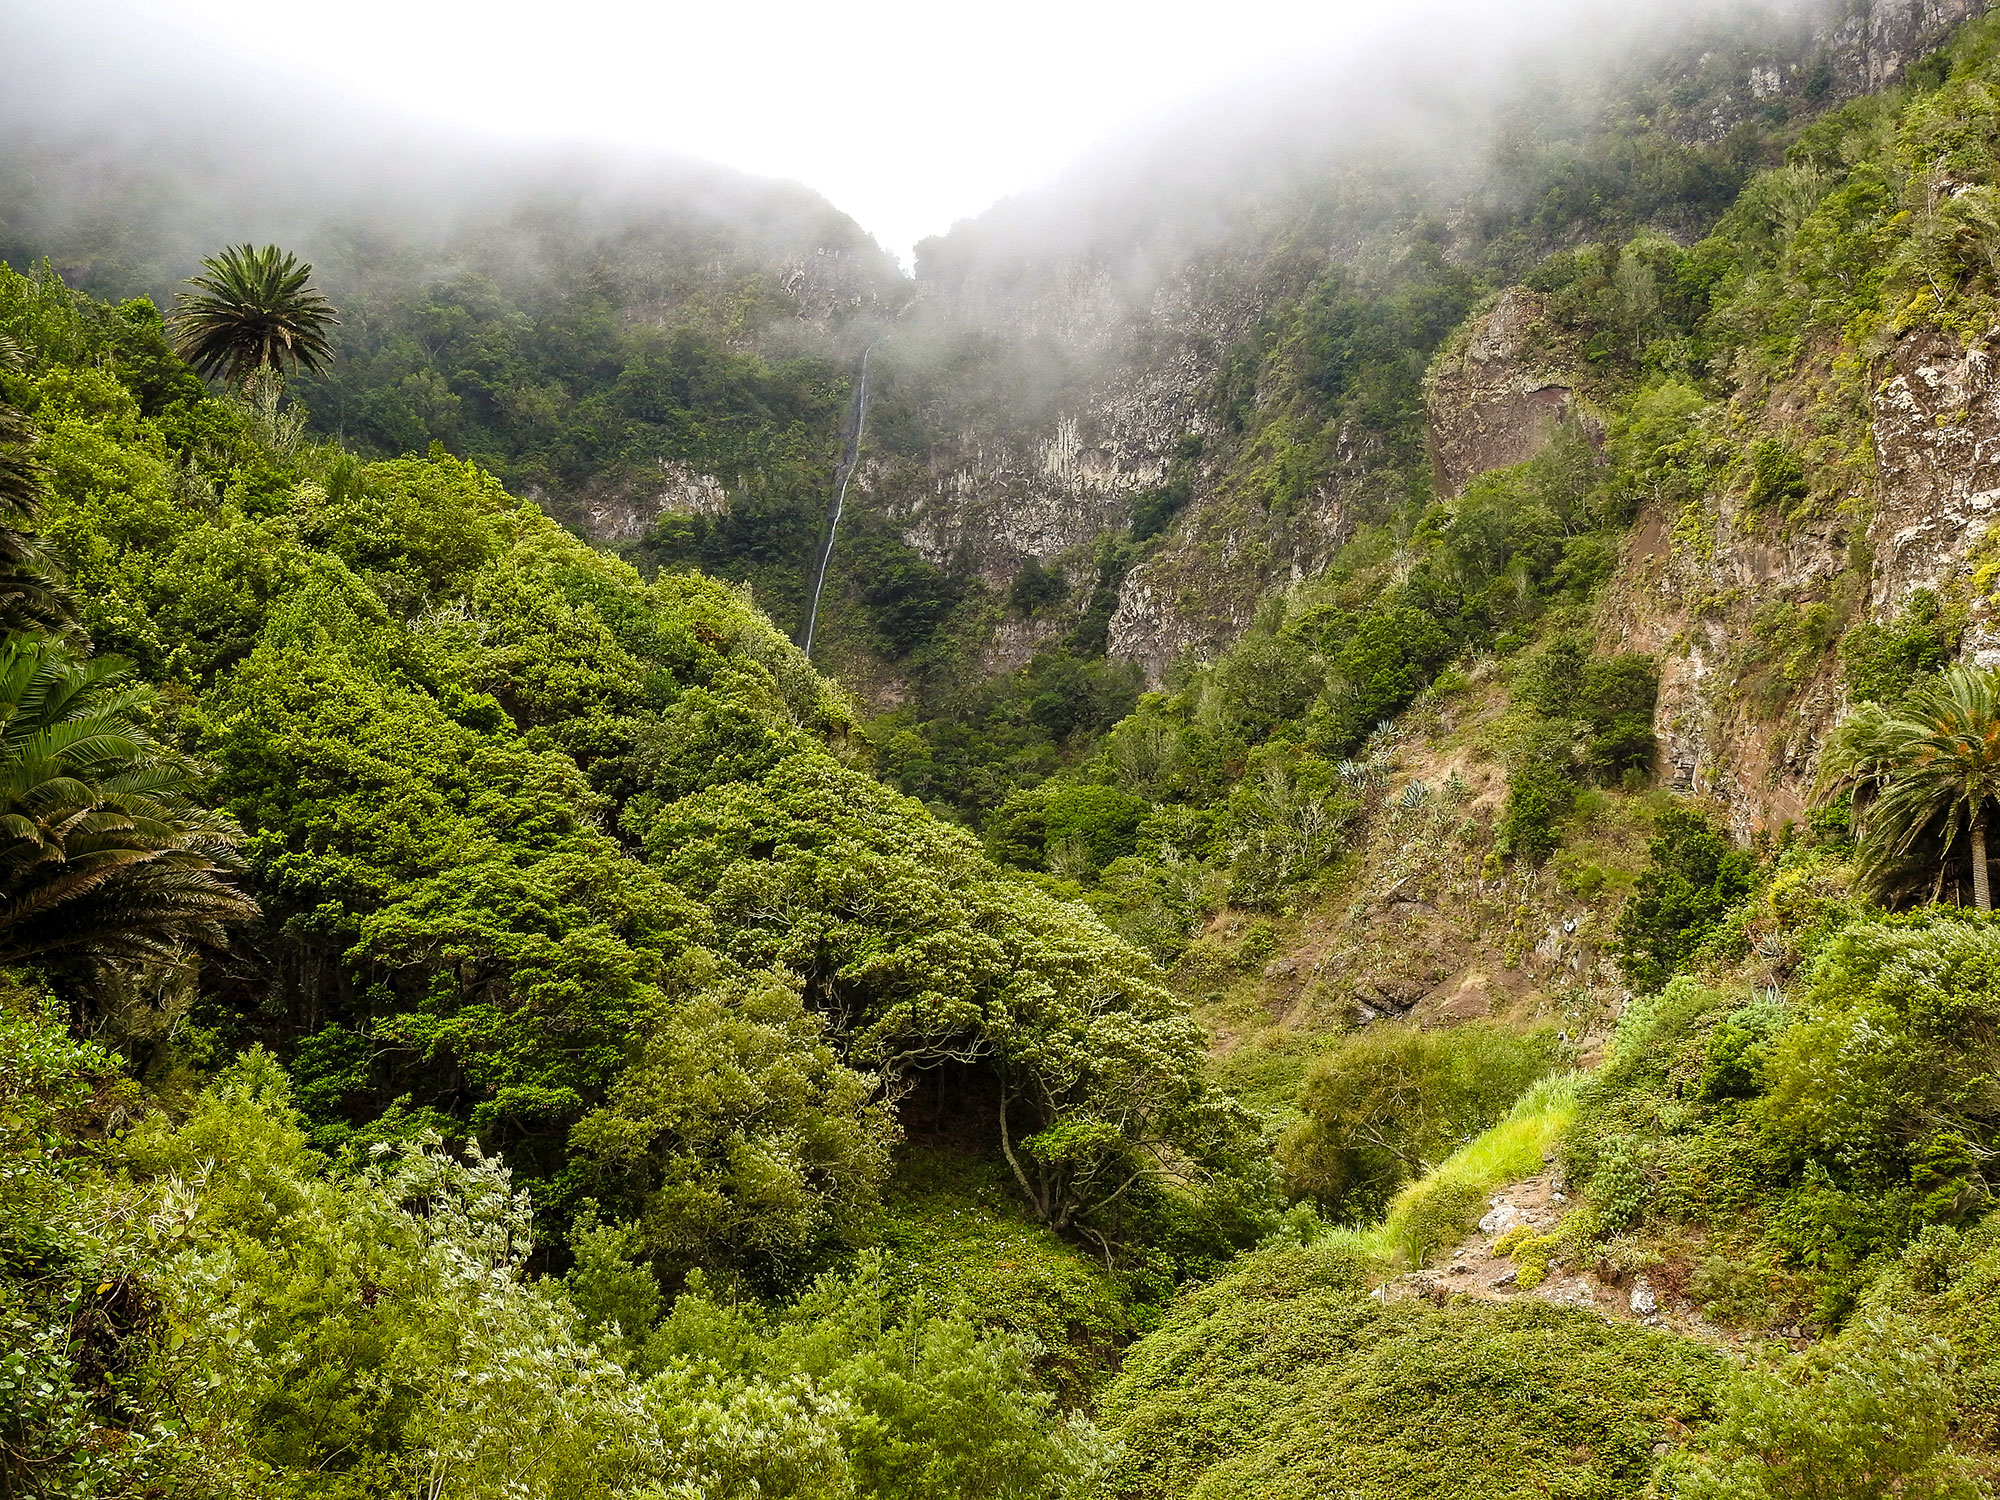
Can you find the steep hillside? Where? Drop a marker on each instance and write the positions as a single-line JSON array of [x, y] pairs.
[[1768, 484], [1171, 382], [639, 343], [1183, 389], [522, 859]]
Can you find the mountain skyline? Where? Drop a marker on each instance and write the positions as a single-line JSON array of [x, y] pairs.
[[908, 119]]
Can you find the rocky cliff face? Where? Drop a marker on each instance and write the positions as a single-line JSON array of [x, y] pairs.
[[1740, 604], [1843, 50], [1732, 727], [1123, 381], [1200, 589], [613, 515], [1870, 46], [1935, 418], [1740, 607], [1498, 390], [1097, 391], [1690, 584]]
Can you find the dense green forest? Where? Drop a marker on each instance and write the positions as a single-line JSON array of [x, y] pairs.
[[551, 866], [479, 1017]]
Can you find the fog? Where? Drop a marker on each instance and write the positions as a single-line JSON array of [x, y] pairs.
[[907, 117]]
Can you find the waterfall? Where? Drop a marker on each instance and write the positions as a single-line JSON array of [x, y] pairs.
[[850, 452]]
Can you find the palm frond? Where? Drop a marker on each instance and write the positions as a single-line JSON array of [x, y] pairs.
[[30, 598], [252, 308], [107, 855], [1920, 773]]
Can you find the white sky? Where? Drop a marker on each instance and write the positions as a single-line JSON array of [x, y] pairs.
[[907, 115]]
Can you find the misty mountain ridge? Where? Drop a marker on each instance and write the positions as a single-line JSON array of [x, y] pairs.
[[661, 352]]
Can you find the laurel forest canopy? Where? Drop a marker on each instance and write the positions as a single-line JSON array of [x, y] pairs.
[[473, 846]]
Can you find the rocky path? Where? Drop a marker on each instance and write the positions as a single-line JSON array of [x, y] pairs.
[[1474, 1269]]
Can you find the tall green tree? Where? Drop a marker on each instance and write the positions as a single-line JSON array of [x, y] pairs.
[[1920, 772], [253, 308], [29, 598], [106, 855]]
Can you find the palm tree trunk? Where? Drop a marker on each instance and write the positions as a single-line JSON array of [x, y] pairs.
[[1982, 890]]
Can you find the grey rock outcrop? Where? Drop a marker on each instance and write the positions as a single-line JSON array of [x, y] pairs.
[[1936, 424], [1498, 391], [629, 512], [1874, 42]]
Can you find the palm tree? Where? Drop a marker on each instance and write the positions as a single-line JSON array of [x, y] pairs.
[[106, 856], [1920, 772], [253, 309]]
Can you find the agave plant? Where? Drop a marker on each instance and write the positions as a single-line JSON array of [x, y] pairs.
[[106, 855], [1921, 773], [252, 309]]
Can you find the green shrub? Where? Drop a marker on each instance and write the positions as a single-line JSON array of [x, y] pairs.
[[1640, 1124], [1288, 819], [1616, 699], [1264, 681], [1619, 1188], [1531, 1254], [1099, 823], [1035, 588], [1439, 1217], [1540, 794], [954, 1239], [1880, 662], [1737, 1051], [1817, 1136], [1777, 474], [1694, 875], [1285, 1380], [1592, 720], [1871, 1416], [1883, 1088], [1393, 1101], [1016, 832], [1739, 1290]]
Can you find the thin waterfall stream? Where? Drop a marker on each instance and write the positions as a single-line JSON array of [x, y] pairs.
[[850, 454]]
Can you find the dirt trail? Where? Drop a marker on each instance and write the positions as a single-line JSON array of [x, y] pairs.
[[1472, 1269]]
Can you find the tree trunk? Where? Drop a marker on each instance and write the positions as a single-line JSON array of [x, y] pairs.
[[1035, 1199], [1982, 890]]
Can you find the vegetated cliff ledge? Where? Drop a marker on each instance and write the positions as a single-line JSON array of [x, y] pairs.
[[1744, 606], [1742, 595]]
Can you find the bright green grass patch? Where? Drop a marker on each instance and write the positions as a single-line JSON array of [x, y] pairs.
[[1441, 1207], [954, 1237]]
